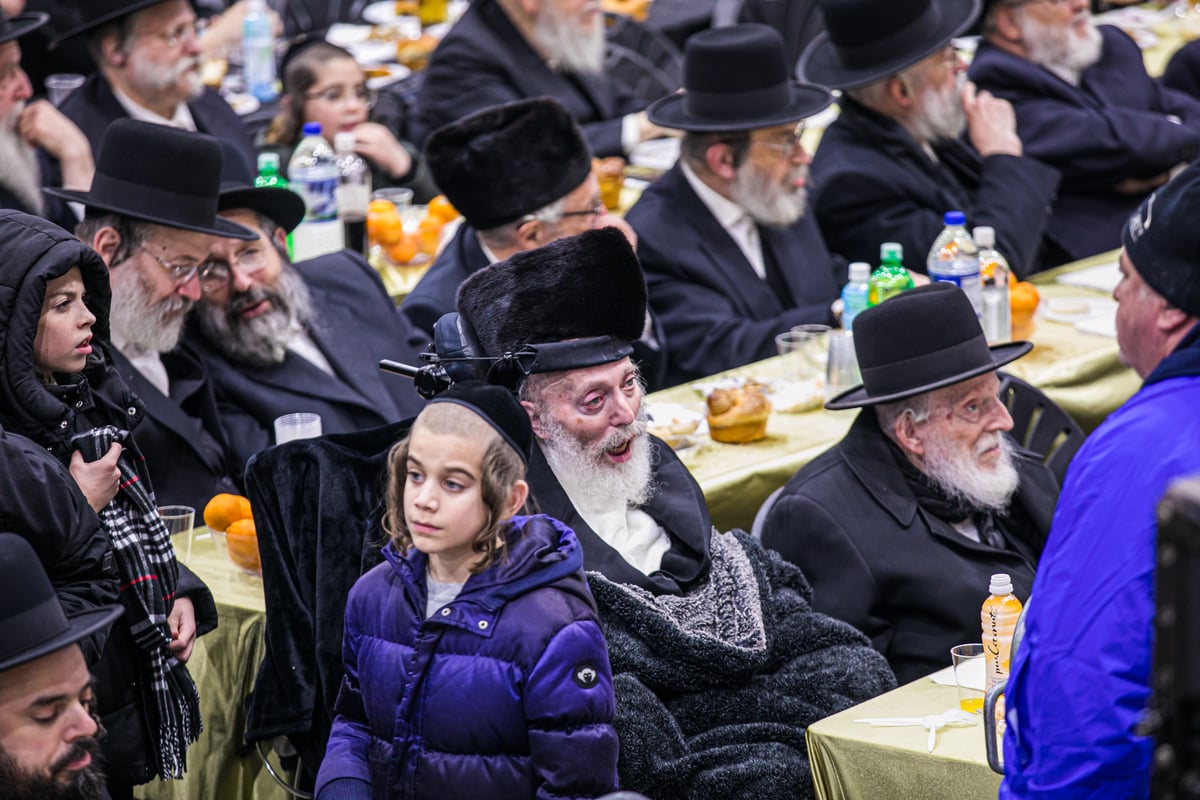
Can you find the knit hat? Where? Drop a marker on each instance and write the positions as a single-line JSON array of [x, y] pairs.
[[501, 163], [1163, 241], [498, 408]]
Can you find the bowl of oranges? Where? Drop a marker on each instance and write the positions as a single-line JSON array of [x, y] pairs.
[[404, 238], [231, 522]]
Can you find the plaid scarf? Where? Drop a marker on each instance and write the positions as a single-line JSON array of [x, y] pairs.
[[149, 575]]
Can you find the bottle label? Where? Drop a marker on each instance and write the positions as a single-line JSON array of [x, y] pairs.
[[320, 195], [968, 281]]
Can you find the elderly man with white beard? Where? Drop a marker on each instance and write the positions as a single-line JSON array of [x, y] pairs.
[[148, 58], [895, 161], [719, 661], [901, 524], [501, 51], [1085, 106], [27, 128], [731, 257]]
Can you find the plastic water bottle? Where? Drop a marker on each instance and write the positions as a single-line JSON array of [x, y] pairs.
[[891, 278], [994, 270], [269, 177], [353, 192], [313, 171], [258, 51], [999, 620], [953, 259], [854, 293]]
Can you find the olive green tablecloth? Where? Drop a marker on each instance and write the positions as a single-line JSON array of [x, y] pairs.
[[223, 664], [1078, 371], [853, 761]]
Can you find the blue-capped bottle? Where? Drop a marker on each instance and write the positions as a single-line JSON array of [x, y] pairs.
[[258, 52], [313, 173], [955, 259]]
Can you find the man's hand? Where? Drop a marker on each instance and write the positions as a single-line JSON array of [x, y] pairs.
[[44, 126], [1140, 186], [99, 479], [991, 123], [182, 621], [376, 143]]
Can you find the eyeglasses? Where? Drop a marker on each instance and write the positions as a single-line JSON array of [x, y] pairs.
[[183, 32], [786, 149], [180, 273], [250, 261], [338, 94], [595, 212], [974, 411]]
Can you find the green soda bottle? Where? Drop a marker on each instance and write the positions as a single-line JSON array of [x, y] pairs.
[[269, 177], [891, 278]]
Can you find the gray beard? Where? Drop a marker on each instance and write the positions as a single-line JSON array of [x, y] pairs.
[[960, 476], [1067, 56], [156, 81], [765, 200], [588, 478], [21, 174], [942, 116], [567, 47], [263, 340], [137, 322]]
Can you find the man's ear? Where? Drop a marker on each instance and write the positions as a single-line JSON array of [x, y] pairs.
[[111, 53], [1004, 24], [719, 160], [516, 498], [281, 239], [1172, 319], [904, 430], [105, 242], [539, 430], [530, 234]]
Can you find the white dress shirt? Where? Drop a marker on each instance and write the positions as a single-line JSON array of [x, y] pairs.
[[732, 218]]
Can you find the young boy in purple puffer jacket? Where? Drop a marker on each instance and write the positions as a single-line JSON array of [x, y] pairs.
[[475, 664]]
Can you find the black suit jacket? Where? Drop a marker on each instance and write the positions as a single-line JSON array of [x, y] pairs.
[[181, 436], [878, 560], [93, 107], [485, 61], [355, 325], [873, 184], [716, 312]]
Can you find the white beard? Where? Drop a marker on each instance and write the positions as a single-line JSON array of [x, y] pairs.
[[154, 80], [137, 322], [568, 46], [764, 199], [589, 479], [21, 174], [960, 475], [942, 116], [1065, 54]]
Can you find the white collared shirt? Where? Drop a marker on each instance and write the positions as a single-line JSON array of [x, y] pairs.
[[730, 216], [303, 345], [183, 115], [148, 363]]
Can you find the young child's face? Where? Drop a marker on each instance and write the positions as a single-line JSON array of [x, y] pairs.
[[443, 500], [64, 334], [338, 100]]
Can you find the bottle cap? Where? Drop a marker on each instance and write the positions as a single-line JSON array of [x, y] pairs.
[[984, 236], [312, 129], [891, 251], [1001, 584], [860, 271], [344, 142], [268, 162], [951, 218]]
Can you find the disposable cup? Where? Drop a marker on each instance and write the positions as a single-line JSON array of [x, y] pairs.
[[968, 675]]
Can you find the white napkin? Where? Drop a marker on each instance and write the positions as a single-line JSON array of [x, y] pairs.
[[972, 673], [1103, 277]]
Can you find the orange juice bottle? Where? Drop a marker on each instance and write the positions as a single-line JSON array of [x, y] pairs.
[[999, 618]]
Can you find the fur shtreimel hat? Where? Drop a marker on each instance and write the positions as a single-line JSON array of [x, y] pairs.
[[501, 163], [587, 289]]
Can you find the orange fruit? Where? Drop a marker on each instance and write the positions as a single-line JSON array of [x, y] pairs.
[[384, 227], [1023, 297], [225, 509], [987, 269], [429, 232], [440, 208], [403, 250], [241, 539]]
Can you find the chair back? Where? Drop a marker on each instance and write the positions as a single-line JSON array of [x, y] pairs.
[[1040, 424], [760, 519], [644, 60]]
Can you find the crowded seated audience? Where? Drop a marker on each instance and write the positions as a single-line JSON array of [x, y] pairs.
[[895, 160], [1085, 106], [506, 50], [509, 559], [925, 489], [731, 251]]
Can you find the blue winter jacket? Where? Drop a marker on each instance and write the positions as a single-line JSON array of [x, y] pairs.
[[506, 692], [1081, 678]]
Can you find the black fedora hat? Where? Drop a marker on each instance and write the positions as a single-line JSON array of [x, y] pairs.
[[94, 13], [921, 340], [868, 40], [20, 25], [32, 621], [282, 206], [156, 173], [737, 79]]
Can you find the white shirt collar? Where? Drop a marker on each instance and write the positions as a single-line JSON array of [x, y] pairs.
[[728, 213], [182, 119]]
